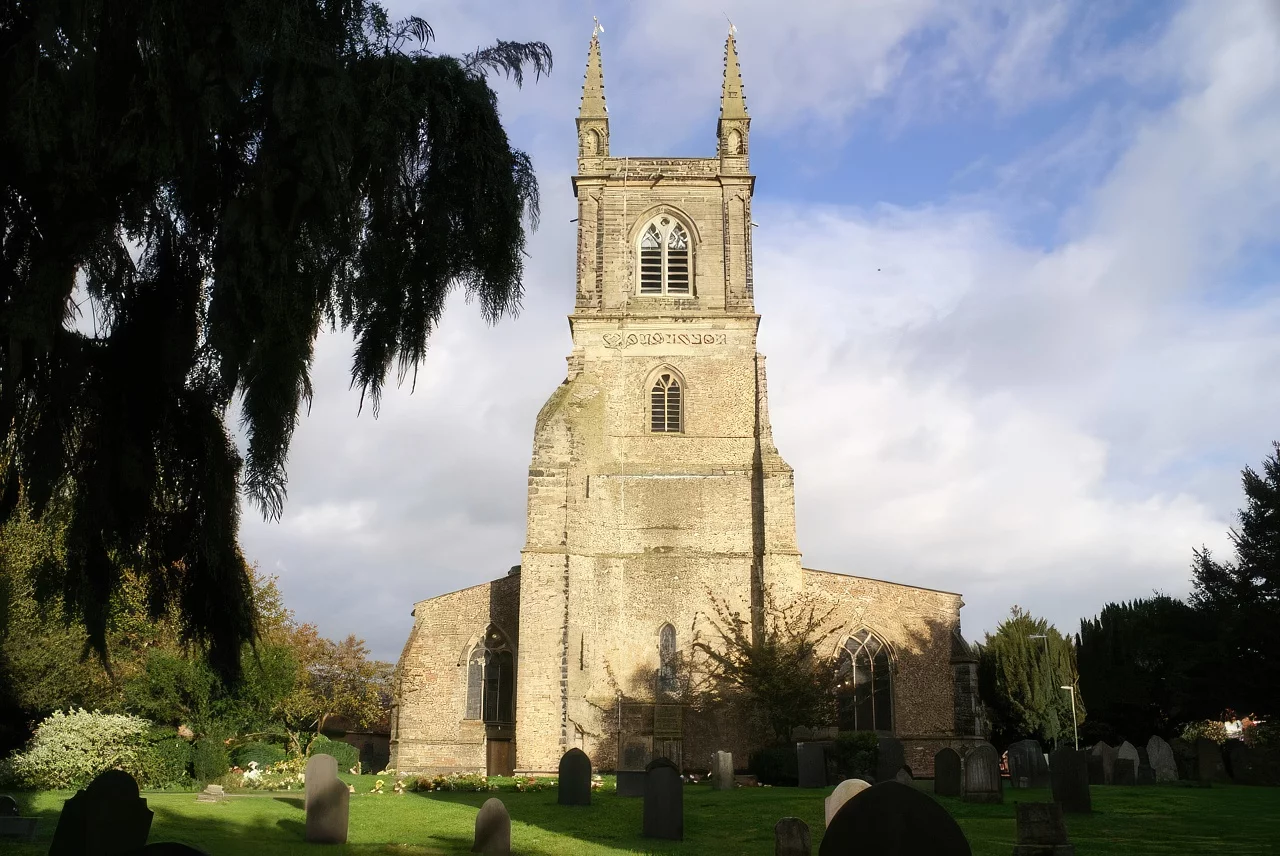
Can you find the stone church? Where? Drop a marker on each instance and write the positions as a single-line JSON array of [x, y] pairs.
[[655, 487]]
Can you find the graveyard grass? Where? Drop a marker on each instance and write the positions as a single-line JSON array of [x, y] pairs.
[[1133, 821]]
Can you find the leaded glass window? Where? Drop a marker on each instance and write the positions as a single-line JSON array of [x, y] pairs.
[[864, 684], [667, 659], [665, 407], [664, 258], [491, 680]]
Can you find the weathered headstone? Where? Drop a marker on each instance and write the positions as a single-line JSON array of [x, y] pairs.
[[1209, 761], [1027, 766], [981, 780], [892, 819], [1124, 772], [1069, 779], [493, 829], [722, 772], [1184, 756], [107, 817], [1146, 775], [8, 806], [890, 759], [1126, 751], [212, 794], [811, 761], [1160, 754], [904, 776], [845, 791], [12, 827], [1255, 766], [663, 801], [946, 773], [1041, 831], [1107, 754], [791, 838], [575, 778], [327, 801]]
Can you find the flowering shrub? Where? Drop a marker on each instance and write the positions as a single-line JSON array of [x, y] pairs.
[[452, 782], [1215, 731], [70, 748], [287, 775], [536, 783]]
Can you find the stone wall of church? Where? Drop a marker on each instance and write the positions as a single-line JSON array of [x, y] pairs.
[[430, 731]]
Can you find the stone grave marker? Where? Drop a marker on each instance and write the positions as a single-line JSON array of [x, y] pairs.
[[8, 806], [1027, 766], [327, 801], [904, 776], [1124, 773], [892, 819], [12, 827], [1069, 780], [1108, 755], [791, 838], [946, 773], [1160, 754], [1209, 761], [1255, 766], [212, 794], [722, 772], [1127, 751], [811, 760], [1041, 831], [663, 801], [981, 780], [493, 829], [107, 817], [1096, 776], [575, 778], [845, 791], [1184, 757], [1146, 775], [891, 758]]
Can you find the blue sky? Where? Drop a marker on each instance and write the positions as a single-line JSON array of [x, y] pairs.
[[1019, 271]]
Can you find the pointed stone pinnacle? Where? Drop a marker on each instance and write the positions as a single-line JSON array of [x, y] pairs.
[[733, 104], [593, 106]]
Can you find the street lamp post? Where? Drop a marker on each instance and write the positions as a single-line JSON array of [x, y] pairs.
[[1074, 728]]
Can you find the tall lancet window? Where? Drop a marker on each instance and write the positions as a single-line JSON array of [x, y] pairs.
[[864, 684], [665, 407], [491, 679], [664, 257], [667, 659]]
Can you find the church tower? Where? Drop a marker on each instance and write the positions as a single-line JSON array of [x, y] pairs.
[[654, 485]]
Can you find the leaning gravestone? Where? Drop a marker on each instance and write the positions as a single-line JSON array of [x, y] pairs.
[[1108, 755], [327, 801], [1127, 752], [663, 801], [1124, 773], [1160, 754], [845, 791], [575, 778], [791, 838], [892, 819], [811, 759], [890, 759], [981, 780], [1027, 766], [493, 829], [946, 773], [106, 817], [1209, 761], [1146, 775], [1041, 831], [1069, 779], [722, 772]]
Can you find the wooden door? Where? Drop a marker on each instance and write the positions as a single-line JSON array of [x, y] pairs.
[[501, 757]]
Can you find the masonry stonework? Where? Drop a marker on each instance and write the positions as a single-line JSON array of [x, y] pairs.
[[630, 529]]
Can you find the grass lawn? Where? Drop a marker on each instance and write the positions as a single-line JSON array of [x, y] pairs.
[[1133, 821]]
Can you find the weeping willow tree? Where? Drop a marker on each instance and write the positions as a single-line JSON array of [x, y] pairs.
[[1022, 668], [189, 192]]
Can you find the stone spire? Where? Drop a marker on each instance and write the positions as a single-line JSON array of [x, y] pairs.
[[733, 105], [593, 115]]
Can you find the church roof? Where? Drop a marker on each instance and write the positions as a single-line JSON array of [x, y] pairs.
[[876, 580]]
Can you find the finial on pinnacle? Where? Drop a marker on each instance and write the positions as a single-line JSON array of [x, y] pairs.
[[598, 29]]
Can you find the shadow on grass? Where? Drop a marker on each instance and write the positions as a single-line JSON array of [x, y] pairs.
[[296, 802]]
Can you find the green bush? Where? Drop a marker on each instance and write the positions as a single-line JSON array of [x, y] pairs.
[[209, 759], [345, 754], [166, 763], [70, 748], [451, 782], [264, 753], [1215, 731], [855, 754], [775, 765]]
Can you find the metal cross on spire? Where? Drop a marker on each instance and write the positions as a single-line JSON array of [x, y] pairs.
[[599, 28]]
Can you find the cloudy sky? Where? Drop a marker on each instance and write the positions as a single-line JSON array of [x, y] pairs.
[[1019, 271]]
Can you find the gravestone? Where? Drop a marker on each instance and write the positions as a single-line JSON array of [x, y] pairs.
[[493, 829], [904, 776], [212, 794], [890, 759], [8, 806], [1146, 775], [12, 827], [1160, 754], [663, 801], [575, 778], [327, 801], [1124, 773], [946, 773], [1096, 776], [892, 819], [1126, 751], [845, 791], [1108, 755], [1209, 761], [791, 838], [811, 760], [1069, 780], [722, 772], [108, 817], [981, 780], [1184, 756], [1041, 831], [1255, 766], [1027, 766]]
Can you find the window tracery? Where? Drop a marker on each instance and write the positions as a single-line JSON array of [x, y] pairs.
[[864, 684], [491, 679], [664, 257], [666, 410]]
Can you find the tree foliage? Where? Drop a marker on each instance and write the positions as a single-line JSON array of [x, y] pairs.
[[188, 193], [1022, 687]]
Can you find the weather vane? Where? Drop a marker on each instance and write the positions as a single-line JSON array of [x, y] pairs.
[[599, 28], [732, 29]]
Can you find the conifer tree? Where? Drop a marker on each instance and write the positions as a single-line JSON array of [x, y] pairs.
[[1022, 687], [189, 192]]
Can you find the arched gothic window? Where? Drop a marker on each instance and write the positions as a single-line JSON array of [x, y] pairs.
[[491, 679], [864, 684], [664, 257], [667, 659], [666, 412]]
